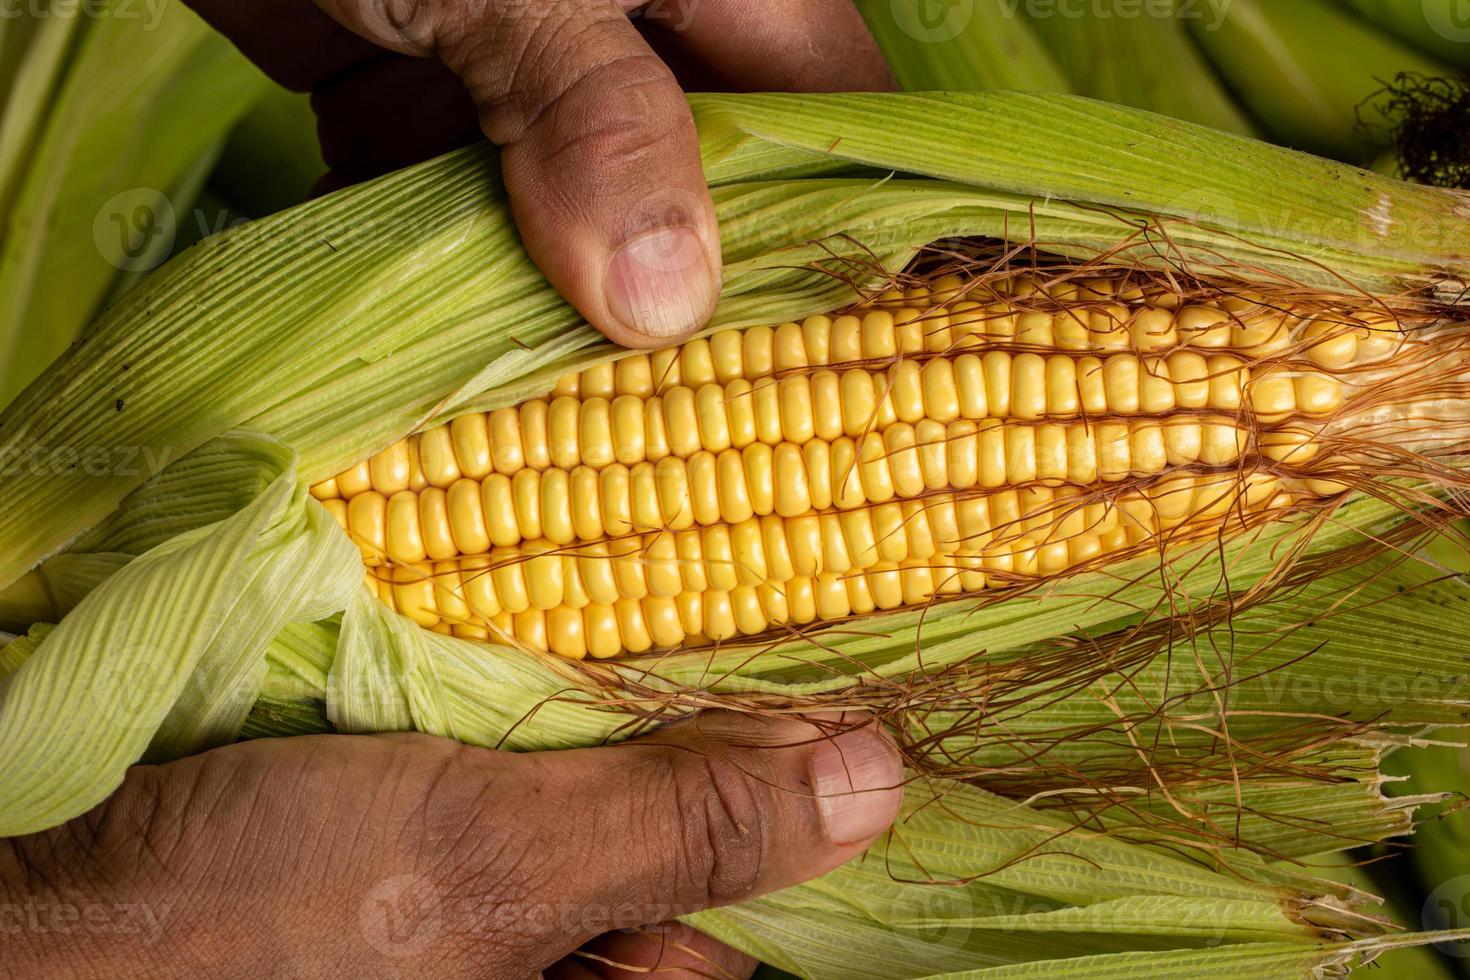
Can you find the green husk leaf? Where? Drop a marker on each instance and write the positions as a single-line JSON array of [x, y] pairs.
[[1111, 51], [1404, 963], [185, 627], [16, 650], [1032, 888], [1311, 95], [1221, 963], [962, 47]]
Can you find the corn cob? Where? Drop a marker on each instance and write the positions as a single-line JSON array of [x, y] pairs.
[[951, 438]]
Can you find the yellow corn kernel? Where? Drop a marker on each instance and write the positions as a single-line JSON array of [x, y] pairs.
[[948, 438]]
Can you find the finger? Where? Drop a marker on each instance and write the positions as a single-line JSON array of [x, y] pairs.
[[670, 951], [704, 814], [767, 45], [600, 155]]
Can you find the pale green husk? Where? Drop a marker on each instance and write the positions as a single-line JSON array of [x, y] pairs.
[[200, 590]]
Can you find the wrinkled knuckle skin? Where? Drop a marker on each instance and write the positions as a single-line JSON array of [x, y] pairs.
[[720, 815], [620, 114], [487, 862]]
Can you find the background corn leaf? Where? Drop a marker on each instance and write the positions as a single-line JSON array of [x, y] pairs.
[[40, 62], [272, 159], [1310, 95], [1438, 27], [961, 47], [1110, 49], [112, 124]]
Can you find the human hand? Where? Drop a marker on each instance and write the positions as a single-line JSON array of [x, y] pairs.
[[600, 157], [407, 855]]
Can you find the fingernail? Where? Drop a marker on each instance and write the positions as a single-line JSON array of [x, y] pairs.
[[857, 777], [660, 283]]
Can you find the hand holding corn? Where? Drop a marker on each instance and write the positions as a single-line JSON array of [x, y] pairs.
[[599, 150], [409, 856]]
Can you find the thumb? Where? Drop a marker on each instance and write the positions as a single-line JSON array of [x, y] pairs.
[[706, 813], [599, 150]]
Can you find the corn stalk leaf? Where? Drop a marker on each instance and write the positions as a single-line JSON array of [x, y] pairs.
[[961, 47], [1109, 51], [272, 158], [1436, 27], [138, 106], [1309, 95]]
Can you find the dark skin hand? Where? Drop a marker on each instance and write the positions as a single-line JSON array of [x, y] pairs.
[[598, 145], [413, 856], [403, 856]]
